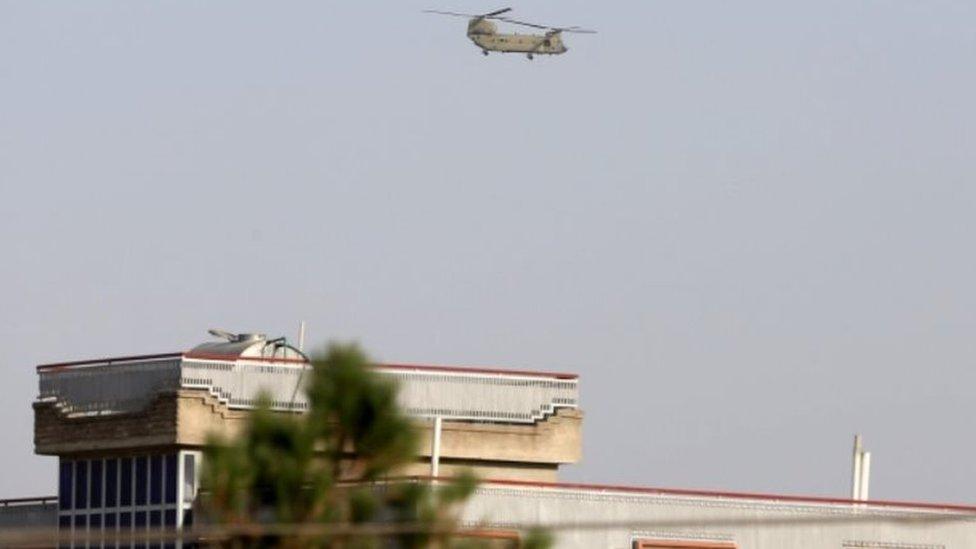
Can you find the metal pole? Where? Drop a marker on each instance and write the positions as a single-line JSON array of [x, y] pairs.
[[856, 469], [865, 474], [435, 448], [301, 336]]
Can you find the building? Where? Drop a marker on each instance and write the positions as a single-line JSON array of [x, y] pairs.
[[128, 433]]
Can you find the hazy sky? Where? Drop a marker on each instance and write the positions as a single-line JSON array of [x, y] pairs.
[[747, 225]]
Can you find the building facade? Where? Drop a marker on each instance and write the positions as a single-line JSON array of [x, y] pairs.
[[128, 434]]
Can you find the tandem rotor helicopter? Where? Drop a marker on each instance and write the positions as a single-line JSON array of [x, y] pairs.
[[484, 33]]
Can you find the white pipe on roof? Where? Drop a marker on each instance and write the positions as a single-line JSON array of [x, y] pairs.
[[435, 448]]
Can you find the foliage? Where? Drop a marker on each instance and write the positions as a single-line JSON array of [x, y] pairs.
[[332, 467]]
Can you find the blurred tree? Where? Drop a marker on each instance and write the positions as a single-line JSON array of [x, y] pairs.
[[329, 467]]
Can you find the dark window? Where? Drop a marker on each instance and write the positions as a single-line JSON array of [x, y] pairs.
[[156, 479], [155, 520], [64, 484], [140, 527], [95, 521], [141, 480], [96, 483], [81, 484], [111, 482], [64, 521], [80, 521], [125, 521], [171, 478], [169, 517], [111, 537], [187, 518], [125, 482]]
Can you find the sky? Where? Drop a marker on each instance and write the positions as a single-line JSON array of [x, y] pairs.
[[747, 225]]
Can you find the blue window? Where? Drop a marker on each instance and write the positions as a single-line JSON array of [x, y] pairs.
[[156, 479], [81, 484], [96, 483], [64, 484], [125, 482], [171, 478], [141, 468], [111, 482]]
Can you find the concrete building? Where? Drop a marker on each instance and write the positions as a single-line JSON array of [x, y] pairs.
[[128, 433]]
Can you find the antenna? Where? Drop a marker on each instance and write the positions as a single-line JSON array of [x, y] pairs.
[[301, 336]]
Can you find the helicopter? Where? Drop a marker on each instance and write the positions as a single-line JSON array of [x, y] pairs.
[[483, 31]]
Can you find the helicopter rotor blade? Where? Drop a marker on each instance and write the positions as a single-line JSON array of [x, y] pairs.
[[451, 13], [523, 23], [576, 29], [489, 15], [546, 27], [497, 12]]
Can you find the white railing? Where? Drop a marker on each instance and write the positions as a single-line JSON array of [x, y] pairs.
[[450, 393]]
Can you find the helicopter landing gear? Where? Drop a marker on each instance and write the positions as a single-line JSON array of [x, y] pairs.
[[529, 56]]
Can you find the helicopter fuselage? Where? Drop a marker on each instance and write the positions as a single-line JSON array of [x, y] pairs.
[[484, 35]]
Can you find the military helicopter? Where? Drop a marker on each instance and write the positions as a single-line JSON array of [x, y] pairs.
[[484, 33]]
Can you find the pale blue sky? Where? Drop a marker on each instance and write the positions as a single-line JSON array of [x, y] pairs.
[[748, 225]]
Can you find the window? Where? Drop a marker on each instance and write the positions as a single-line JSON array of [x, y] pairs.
[[141, 471], [493, 539], [80, 521], [682, 544], [155, 480], [125, 482], [171, 478], [96, 483], [95, 521], [189, 478], [81, 484], [111, 482], [64, 485]]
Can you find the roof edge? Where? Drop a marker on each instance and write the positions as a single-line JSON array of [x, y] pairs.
[[929, 506], [390, 366]]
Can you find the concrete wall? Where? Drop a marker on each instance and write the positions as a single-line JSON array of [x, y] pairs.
[[184, 419]]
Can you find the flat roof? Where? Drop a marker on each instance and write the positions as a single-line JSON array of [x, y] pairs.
[[588, 487], [389, 366]]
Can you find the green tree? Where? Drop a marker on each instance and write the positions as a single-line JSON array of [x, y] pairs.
[[333, 467]]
